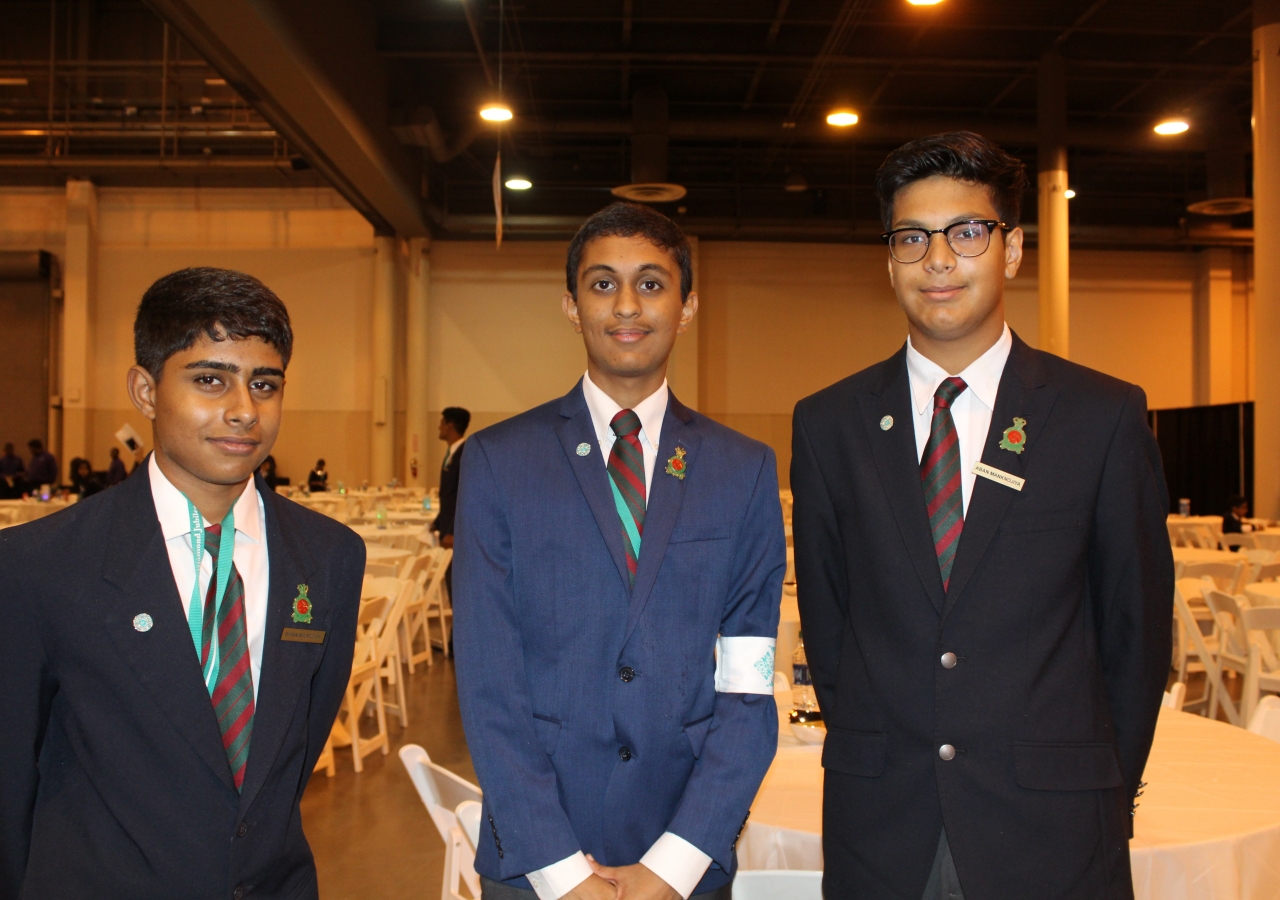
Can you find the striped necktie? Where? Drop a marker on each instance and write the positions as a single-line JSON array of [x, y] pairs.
[[940, 475], [626, 477], [232, 693]]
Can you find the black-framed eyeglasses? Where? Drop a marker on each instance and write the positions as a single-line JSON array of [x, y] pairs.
[[970, 238]]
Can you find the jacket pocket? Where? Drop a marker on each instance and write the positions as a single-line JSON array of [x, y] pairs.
[[696, 732], [855, 752], [1066, 767], [548, 732]]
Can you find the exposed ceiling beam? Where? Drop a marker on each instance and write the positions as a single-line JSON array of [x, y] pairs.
[[769, 41], [474, 27], [315, 88]]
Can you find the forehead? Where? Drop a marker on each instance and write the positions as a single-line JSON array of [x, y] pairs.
[[940, 199], [626, 254], [247, 353]]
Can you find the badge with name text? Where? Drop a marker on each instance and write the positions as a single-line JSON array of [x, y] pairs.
[[303, 636], [993, 474], [1015, 438], [302, 606]]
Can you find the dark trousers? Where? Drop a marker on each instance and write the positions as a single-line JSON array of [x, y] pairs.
[[495, 890]]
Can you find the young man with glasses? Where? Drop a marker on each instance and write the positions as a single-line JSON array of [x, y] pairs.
[[985, 579]]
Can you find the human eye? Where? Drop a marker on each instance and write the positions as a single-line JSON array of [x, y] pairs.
[[911, 237], [208, 381], [650, 285], [264, 387], [970, 231], [602, 284]]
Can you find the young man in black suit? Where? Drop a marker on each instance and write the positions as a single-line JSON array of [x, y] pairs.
[[174, 650], [985, 578], [454, 421]]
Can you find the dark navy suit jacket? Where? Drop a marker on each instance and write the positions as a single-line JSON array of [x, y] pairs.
[[115, 782], [570, 755]]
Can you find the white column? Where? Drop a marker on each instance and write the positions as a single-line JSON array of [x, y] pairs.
[[1053, 240], [382, 440], [418, 433], [1266, 259], [79, 287], [1212, 335]]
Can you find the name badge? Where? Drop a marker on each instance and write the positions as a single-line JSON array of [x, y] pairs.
[[999, 477], [303, 635]]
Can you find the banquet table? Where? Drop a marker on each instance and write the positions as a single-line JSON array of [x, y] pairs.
[[376, 553], [1197, 555], [378, 535], [18, 512], [1267, 539], [1208, 827]]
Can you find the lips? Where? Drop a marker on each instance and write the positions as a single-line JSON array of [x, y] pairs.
[[238, 445], [628, 336], [943, 292]]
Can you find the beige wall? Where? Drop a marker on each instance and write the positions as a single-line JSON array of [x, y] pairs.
[[777, 321]]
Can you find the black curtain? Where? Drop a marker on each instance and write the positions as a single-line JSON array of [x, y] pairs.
[[1208, 454]]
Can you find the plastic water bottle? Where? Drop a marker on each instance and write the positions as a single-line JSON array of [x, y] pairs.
[[380, 516], [803, 699]]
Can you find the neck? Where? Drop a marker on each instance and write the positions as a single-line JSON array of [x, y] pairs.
[[213, 500], [627, 391], [957, 354]]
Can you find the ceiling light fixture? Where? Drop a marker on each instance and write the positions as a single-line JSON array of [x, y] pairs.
[[519, 184], [924, 2], [12, 82], [1069, 193], [1172, 126], [496, 112], [842, 118]]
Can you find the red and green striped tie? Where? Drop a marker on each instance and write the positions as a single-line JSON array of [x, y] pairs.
[[940, 475], [232, 691], [626, 476]]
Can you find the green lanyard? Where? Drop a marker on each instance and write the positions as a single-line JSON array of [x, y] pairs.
[[195, 610]]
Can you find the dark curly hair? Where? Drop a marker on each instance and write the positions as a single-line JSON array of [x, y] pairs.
[[631, 220]]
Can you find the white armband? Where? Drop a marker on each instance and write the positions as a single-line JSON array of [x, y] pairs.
[[744, 665]]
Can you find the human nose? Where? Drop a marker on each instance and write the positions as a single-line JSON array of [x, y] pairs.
[[939, 257], [626, 305], [241, 410]]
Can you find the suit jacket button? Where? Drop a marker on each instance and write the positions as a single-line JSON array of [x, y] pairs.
[[947, 752], [237, 893], [242, 830], [626, 673], [624, 754], [948, 660]]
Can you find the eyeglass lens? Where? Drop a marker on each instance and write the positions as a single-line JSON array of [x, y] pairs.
[[965, 239]]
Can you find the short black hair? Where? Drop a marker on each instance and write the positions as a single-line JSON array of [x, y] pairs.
[[319, 463], [458, 417], [1236, 500], [218, 303], [631, 220], [35, 444], [961, 155]]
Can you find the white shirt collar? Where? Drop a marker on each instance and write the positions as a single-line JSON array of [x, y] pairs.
[[982, 375], [175, 519], [651, 411], [453, 448]]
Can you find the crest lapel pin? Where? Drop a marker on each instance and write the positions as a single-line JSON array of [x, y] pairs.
[[302, 606], [886, 423], [584, 449], [676, 464], [1015, 437]]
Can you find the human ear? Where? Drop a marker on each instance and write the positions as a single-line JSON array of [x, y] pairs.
[[570, 307], [1012, 252], [687, 311], [141, 386]]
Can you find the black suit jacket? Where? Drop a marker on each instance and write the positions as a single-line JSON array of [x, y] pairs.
[[1059, 611], [449, 475], [115, 782]]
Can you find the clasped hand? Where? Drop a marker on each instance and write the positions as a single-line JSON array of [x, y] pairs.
[[635, 882]]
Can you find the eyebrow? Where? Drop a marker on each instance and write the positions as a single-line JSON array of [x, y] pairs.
[[232, 368], [644, 267], [963, 217]]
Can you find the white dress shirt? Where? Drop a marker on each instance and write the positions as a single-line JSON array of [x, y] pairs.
[[250, 556], [453, 448], [673, 859], [971, 411]]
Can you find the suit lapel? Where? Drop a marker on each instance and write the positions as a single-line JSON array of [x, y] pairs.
[[666, 495], [899, 466], [163, 658], [1023, 393], [287, 666], [593, 478]]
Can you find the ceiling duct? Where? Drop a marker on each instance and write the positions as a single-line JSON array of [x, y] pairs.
[[650, 124], [1225, 169]]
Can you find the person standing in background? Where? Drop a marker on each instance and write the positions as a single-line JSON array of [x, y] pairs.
[[116, 472], [84, 482], [43, 468], [11, 463], [268, 472], [454, 422], [318, 478]]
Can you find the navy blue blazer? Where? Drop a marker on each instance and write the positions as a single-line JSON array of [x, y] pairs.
[[590, 707], [115, 782]]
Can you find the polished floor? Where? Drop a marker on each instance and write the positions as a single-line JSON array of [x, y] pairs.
[[371, 835]]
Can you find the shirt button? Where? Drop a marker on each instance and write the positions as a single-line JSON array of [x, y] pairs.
[[242, 830], [947, 752], [626, 673], [624, 754], [948, 660]]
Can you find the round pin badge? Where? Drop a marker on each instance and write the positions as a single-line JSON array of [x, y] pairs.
[[142, 622], [584, 448], [886, 423]]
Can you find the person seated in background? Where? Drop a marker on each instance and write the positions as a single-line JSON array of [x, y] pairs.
[[318, 478], [116, 471], [84, 482], [268, 472], [43, 468], [1234, 521], [11, 474]]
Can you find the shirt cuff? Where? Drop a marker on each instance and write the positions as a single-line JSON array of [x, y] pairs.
[[558, 879], [677, 862]]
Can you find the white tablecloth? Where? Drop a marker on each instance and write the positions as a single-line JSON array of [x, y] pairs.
[[18, 512], [378, 535], [376, 553], [1196, 555], [1208, 827]]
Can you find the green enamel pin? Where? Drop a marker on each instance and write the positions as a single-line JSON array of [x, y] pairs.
[[302, 606], [1015, 437]]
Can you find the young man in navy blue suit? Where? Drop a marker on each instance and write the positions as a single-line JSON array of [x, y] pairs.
[[984, 573], [607, 544], [175, 649]]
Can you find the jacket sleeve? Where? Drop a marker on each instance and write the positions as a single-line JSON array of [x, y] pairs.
[[821, 582], [29, 689], [742, 737], [1131, 584], [519, 783]]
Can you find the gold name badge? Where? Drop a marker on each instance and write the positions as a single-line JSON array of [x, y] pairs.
[[303, 635]]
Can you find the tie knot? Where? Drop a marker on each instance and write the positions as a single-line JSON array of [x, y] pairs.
[[947, 392], [213, 540], [626, 423]]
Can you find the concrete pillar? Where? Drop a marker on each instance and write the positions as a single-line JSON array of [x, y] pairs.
[[79, 290], [418, 428], [382, 437], [1266, 261], [1212, 318], [1053, 240]]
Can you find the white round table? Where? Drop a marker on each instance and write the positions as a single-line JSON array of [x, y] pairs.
[[377, 553], [1207, 828], [378, 535], [1197, 555]]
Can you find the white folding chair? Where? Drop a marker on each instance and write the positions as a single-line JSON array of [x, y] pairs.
[[389, 643], [777, 884], [1235, 541], [1267, 572], [1185, 656], [1266, 719], [468, 813], [428, 572], [1175, 696], [381, 570], [364, 686], [1200, 645], [1226, 575], [1233, 650], [442, 792], [438, 601], [1262, 673]]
